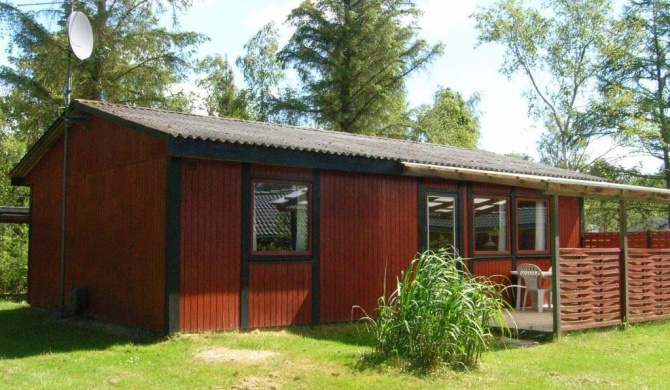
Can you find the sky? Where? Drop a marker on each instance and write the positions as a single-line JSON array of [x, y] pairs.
[[504, 122], [464, 67]]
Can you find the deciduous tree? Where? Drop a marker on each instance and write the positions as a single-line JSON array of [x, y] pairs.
[[262, 71], [223, 97], [556, 49], [635, 82], [450, 120]]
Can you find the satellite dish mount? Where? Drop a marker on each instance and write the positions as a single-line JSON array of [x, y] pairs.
[[80, 42]]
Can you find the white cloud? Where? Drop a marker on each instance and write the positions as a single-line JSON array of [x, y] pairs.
[[276, 12], [442, 17]]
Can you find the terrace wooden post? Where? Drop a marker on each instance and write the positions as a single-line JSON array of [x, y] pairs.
[[555, 279], [623, 237]]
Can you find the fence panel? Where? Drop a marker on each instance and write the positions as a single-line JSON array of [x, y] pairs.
[[646, 239], [601, 240], [660, 239], [590, 288], [648, 284]]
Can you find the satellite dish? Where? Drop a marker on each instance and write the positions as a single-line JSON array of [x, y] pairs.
[[80, 34]]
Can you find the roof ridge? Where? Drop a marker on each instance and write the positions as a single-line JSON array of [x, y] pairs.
[[180, 124], [273, 124]]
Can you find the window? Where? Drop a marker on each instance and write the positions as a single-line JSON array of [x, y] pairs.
[[281, 217], [491, 224], [532, 225], [441, 216]]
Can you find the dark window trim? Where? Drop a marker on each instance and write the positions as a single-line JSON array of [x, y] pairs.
[[424, 193], [308, 254], [247, 259], [508, 251]]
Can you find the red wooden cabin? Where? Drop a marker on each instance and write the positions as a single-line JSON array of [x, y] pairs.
[[178, 222]]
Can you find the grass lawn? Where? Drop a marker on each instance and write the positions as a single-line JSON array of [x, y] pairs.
[[40, 352]]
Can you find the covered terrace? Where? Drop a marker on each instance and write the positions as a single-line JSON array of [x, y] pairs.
[[591, 286]]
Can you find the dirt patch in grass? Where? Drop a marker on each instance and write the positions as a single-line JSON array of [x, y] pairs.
[[256, 383], [223, 354]]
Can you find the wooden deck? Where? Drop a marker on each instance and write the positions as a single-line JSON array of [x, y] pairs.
[[530, 320]]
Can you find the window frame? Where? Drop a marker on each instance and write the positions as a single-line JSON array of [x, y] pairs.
[[508, 246], [425, 222], [252, 210], [547, 228]]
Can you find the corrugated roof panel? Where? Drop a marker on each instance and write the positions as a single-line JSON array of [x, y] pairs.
[[322, 141]]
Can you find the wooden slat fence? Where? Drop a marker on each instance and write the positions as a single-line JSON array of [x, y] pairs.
[[590, 283], [660, 239], [646, 239], [601, 240], [648, 284]]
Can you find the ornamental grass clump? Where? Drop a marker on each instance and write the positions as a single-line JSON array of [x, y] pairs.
[[438, 314]]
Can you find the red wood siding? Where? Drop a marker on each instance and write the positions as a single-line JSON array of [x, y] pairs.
[[439, 184], [487, 188], [210, 245], [280, 294], [498, 271], [521, 191], [115, 223], [569, 216], [45, 231], [368, 222]]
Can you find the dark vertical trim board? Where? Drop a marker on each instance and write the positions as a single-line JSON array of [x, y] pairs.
[[173, 244], [514, 244], [245, 271], [316, 240], [556, 269], [30, 242], [582, 229], [421, 215], [471, 226], [623, 237], [460, 208]]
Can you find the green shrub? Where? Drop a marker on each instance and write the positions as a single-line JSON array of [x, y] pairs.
[[438, 314], [13, 258]]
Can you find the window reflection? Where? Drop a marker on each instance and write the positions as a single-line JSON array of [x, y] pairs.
[[491, 222], [281, 217], [532, 225], [441, 212]]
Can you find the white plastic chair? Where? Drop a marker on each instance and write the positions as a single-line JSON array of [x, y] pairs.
[[532, 277]]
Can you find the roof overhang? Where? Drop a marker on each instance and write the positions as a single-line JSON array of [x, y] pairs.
[[14, 215], [548, 185]]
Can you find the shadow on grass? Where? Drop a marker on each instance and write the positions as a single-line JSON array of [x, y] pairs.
[[26, 332], [344, 333], [16, 298]]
